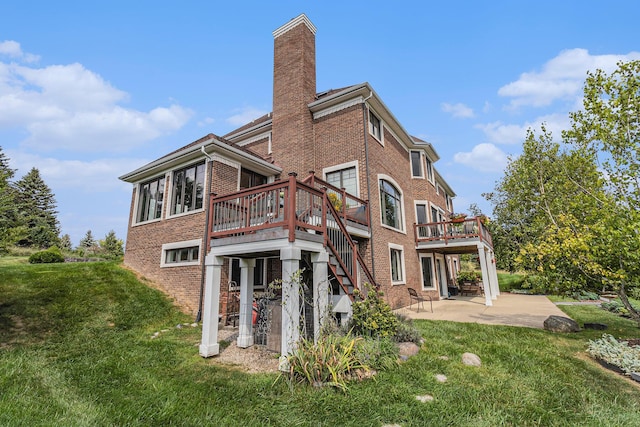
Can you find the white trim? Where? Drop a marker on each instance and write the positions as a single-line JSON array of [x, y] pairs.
[[422, 164], [342, 166], [433, 270], [168, 214], [178, 245], [338, 107], [225, 161], [369, 127], [442, 212], [402, 207], [302, 18], [134, 217], [259, 137], [415, 209], [400, 248]]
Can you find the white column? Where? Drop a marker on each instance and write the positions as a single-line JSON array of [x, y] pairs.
[[320, 291], [493, 271], [245, 330], [485, 276], [290, 258], [209, 345]]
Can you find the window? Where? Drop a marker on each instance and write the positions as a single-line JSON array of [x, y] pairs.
[[258, 273], [416, 164], [181, 253], [428, 281], [421, 218], [397, 264], [429, 170], [390, 205], [375, 126], [250, 179], [150, 196], [344, 178], [188, 189]]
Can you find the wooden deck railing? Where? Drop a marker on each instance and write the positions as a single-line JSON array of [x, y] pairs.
[[347, 205], [292, 205], [453, 231]]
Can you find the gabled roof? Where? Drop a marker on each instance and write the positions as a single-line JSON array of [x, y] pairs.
[[210, 144]]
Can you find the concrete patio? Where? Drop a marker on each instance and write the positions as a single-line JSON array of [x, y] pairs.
[[509, 309]]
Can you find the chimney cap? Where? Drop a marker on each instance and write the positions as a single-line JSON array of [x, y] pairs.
[[302, 18]]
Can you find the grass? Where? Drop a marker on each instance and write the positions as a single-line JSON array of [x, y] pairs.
[[76, 350]]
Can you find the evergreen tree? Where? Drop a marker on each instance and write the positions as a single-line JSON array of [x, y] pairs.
[[36, 206], [65, 242], [88, 244], [7, 206], [111, 245]]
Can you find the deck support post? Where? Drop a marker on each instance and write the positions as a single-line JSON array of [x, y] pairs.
[[486, 281], [213, 273], [320, 262], [290, 257], [245, 329]]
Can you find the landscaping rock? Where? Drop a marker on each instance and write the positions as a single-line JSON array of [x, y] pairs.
[[471, 359], [596, 326], [424, 399], [441, 378], [561, 324], [407, 349]]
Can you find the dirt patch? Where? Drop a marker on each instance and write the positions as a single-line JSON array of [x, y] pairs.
[[253, 360]]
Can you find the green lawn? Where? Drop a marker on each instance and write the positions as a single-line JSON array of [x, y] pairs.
[[76, 349]]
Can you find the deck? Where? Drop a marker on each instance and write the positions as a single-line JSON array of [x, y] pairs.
[[453, 236]]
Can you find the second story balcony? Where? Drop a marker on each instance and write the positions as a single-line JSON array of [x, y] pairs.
[[454, 233]]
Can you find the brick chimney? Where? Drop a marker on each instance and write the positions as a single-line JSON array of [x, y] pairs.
[[294, 87]]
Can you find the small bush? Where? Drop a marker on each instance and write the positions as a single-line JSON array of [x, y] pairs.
[[469, 276], [406, 331], [332, 361], [50, 256], [536, 284], [585, 296], [372, 316], [616, 353]]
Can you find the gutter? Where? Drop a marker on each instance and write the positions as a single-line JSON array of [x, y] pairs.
[[206, 232], [366, 160]]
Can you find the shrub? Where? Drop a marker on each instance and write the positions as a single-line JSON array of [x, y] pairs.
[[469, 276], [406, 331], [615, 306], [378, 354], [585, 296], [332, 361], [372, 316], [616, 353], [536, 284], [51, 255]]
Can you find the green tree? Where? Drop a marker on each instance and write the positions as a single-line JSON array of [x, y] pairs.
[[65, 242], [7, 207], [36, 206], [111, 245], [88, 244], [608, 128]]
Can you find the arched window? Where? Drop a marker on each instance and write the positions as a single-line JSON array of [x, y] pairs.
[[390, 205]]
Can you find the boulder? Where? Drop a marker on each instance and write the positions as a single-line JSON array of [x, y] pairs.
[[561, 324], [408, 349], [471, 359], [596, 326]]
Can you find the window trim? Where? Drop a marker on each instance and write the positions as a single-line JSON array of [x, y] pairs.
[[172, 189], [429, 170], [380, 137], [439, 209], [403, 269], [136, 208], [422, 166], [402, 207], [180, 245], [434, 286], [343, 166]]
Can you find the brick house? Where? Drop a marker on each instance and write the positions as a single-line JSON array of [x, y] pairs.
[[328, 182]]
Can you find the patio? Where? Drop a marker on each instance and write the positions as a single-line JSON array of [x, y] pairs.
[[510, 309]]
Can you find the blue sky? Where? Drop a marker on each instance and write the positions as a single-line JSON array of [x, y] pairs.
[[91, 90]]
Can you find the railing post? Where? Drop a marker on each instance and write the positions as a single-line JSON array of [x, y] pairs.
[[325, 200], [291, 223], [313, 178], [343, 207]]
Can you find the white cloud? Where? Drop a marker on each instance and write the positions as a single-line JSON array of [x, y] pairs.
[[206, 121], [12, 49], [500, 133], [245, 115], [70, 107], [98, 175], [560, 78], [458, 110], [483, 157]]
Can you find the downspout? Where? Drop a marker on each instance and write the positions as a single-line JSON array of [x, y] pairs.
[[206, 231], [366, 160]]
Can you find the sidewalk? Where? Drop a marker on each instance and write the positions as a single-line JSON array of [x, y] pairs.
[[509, 309]]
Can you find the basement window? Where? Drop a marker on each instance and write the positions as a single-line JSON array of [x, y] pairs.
[[180, 254]]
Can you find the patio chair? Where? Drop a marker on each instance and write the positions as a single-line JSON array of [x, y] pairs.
[[420, 299]]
